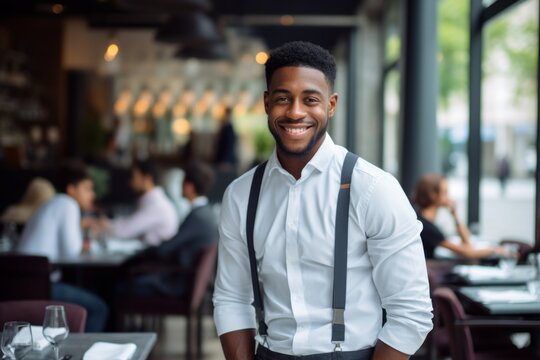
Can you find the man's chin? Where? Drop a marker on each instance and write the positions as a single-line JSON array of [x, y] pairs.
[[298, 153]]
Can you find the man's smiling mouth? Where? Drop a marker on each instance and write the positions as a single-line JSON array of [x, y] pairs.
[[295, 130]]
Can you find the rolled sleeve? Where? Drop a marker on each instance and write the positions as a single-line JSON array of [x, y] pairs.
[[233, 294], [399, 267]]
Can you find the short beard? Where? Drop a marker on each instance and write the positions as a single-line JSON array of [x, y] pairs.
[[301, 153]]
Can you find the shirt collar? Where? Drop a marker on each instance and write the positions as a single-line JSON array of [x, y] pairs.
[[320, 161]]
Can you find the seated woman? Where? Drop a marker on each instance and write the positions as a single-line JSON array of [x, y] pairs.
[[38, 192], [431, 194]]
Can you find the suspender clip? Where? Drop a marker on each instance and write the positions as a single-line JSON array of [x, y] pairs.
[[338, 347], [339, 316]]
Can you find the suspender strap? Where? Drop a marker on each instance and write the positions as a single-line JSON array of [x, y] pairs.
[[250, 225], [340, 250]]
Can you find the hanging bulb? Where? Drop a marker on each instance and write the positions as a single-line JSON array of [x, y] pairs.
[[112, 49], [111, 52]]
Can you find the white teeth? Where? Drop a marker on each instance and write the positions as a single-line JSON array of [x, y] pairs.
[[295, 130]]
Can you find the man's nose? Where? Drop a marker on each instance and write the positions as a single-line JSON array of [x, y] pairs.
[[296, 110]]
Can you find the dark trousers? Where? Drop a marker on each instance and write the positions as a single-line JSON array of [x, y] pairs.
[[97, 309], [364, 354]]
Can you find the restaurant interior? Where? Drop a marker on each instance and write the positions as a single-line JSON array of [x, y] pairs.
[[445, 87]]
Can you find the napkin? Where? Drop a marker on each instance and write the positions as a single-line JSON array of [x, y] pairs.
[[38, 341], [123, 246], [110, 351], [479, 272], [506, 296]]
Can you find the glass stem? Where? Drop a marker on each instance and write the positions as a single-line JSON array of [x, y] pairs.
[[56, 352]]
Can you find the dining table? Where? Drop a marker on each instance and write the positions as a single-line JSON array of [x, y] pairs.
[[76, 344], [100, 269], [109, 252], [503, 302], [483, 275]]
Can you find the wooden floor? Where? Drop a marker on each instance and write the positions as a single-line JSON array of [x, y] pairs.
[[171, 341]]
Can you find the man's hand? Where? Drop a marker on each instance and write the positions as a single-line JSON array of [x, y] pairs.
[[239, 345]]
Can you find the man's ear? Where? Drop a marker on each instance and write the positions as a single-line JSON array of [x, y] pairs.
[[266, 107], [332, 104]]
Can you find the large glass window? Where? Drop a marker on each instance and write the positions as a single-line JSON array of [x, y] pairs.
[[507, 188], [391, 85], [453, 102]]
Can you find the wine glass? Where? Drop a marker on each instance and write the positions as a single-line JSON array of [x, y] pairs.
[[16, 339], [55, 327], [509, 261]]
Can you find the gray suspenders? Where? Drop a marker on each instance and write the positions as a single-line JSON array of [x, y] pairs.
[[340, 250]]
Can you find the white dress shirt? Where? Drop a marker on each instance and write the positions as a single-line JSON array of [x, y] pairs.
[[155, 219], [294, 246], [54, 230]]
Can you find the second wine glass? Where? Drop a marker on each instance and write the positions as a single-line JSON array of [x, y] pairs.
[[55, 327], [16, 339]]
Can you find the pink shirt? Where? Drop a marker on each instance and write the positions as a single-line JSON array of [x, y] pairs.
[[155, 219]]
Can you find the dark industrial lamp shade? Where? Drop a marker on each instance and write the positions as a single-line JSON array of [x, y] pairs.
[[165, 6], [189, 29], [216, 51]]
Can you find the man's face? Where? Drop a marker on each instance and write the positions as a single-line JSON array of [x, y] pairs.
[[298, 103], [83, 193], [137, 180]]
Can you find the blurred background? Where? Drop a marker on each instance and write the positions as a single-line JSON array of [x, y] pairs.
[[447, 86]]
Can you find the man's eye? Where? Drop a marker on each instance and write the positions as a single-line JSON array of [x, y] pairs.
[[281, 99]]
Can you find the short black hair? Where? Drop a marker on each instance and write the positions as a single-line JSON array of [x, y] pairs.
[[147, 168], [301, 53], [70, 174], [201, 175]]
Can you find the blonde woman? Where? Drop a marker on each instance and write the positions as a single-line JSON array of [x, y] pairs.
[[38, 192]]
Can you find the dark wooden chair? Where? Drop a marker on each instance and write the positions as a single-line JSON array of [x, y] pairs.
[[33, 311], [24, 277], [190, 305], [459, 325], [437, 340]]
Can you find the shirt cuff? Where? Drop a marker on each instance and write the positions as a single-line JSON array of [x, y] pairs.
[[403, 337], [233, 317]]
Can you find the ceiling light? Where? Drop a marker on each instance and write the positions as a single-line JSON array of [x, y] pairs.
[[286, 20], [112, 49], [261, 57], [111, 52], [57, 9]]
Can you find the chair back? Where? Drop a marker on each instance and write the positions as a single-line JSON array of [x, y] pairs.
[[451, 310], [33, 311], [203, 275], [524, 249], [24, 277]]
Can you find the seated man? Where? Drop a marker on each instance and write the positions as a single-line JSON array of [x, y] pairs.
[[197, 231], [54, 230], [155, 219]]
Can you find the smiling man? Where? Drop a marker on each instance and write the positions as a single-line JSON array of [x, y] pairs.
[[322, 291]]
